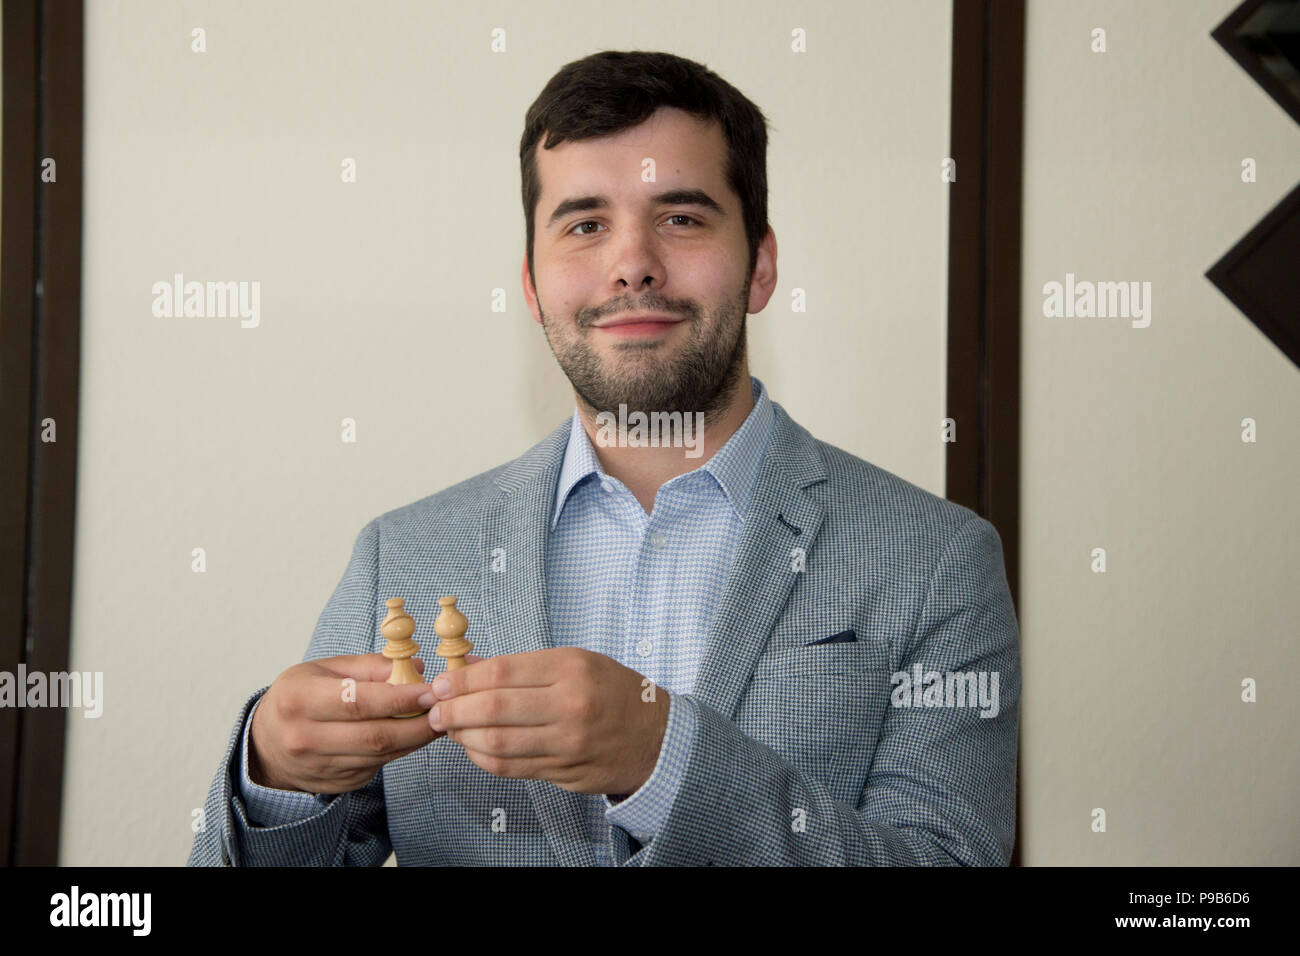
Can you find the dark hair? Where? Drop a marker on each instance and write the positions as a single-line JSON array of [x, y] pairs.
[[610, 91]]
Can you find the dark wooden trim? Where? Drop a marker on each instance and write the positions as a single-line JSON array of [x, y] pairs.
[[17, 221], [1252, 14], [40, 328], [983, 389], [1258, 274]]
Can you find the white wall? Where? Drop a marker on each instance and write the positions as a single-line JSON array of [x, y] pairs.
[[1132, 443], [375, 305]]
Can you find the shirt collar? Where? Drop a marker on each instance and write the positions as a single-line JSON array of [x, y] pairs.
[[734, 466]]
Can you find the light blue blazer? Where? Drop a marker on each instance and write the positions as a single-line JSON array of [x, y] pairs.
[[840, 722]]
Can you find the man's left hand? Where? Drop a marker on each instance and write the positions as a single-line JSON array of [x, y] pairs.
[[574, 717]]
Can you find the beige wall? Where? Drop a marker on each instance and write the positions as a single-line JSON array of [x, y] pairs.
[[1132, 443], [376, 305]]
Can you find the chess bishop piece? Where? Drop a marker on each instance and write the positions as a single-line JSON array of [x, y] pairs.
[[398, 627], [451, 626]]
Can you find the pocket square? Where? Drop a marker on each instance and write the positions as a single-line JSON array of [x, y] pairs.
[[843, 637]]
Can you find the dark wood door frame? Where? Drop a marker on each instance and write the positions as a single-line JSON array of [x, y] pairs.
[[983, 394], [40, 348]]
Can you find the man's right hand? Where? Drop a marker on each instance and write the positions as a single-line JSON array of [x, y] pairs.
[[326, 726]]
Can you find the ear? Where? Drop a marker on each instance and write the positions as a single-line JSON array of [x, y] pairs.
[[763, 282], [530, 293]]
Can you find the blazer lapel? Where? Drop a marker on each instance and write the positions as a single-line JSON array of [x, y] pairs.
[[513, 551], [782, 516]]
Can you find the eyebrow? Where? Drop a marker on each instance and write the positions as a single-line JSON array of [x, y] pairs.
[[674, 197]]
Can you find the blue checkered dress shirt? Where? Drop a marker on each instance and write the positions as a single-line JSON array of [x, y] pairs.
[[639, 588]]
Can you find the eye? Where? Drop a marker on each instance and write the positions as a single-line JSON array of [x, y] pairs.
[[591, 222]]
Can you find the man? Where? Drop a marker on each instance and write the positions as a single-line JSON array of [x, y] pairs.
[[738, 645]]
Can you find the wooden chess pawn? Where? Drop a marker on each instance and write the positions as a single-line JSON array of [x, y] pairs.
[[398, 627], [451, 626]]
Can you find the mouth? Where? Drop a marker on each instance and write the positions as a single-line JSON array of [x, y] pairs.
[[638, 326]]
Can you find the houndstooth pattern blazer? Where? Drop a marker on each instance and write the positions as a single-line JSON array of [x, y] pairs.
[[808, 750]]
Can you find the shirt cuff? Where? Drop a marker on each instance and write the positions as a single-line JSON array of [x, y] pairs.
[[268, 807], [643, 813]]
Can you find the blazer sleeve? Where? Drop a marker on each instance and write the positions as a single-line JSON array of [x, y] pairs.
[[266, 806], [941, 789], [351, 829]]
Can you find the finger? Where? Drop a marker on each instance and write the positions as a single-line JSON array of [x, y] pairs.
[[346, 699], [382, 739], [367, 667], [509, 742], [529, 669], [352, 762], [500, 707], [534, 768]]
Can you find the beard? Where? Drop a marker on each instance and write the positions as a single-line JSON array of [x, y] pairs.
[[699, 378]]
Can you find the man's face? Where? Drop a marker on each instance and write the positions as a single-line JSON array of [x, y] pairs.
[[609, 246]]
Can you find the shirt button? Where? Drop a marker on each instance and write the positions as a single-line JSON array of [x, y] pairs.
[[644, 648], [657, 540], [607, 485]]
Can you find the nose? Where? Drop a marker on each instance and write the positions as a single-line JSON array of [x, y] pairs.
[[637, 264]]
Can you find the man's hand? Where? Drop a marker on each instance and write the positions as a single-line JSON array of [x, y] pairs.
[[576, 718], [326, 726]]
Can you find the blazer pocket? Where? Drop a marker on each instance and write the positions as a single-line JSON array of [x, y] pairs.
[[843, 637], [821, 660]]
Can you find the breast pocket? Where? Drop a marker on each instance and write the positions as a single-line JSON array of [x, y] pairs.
[[820, 707]]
